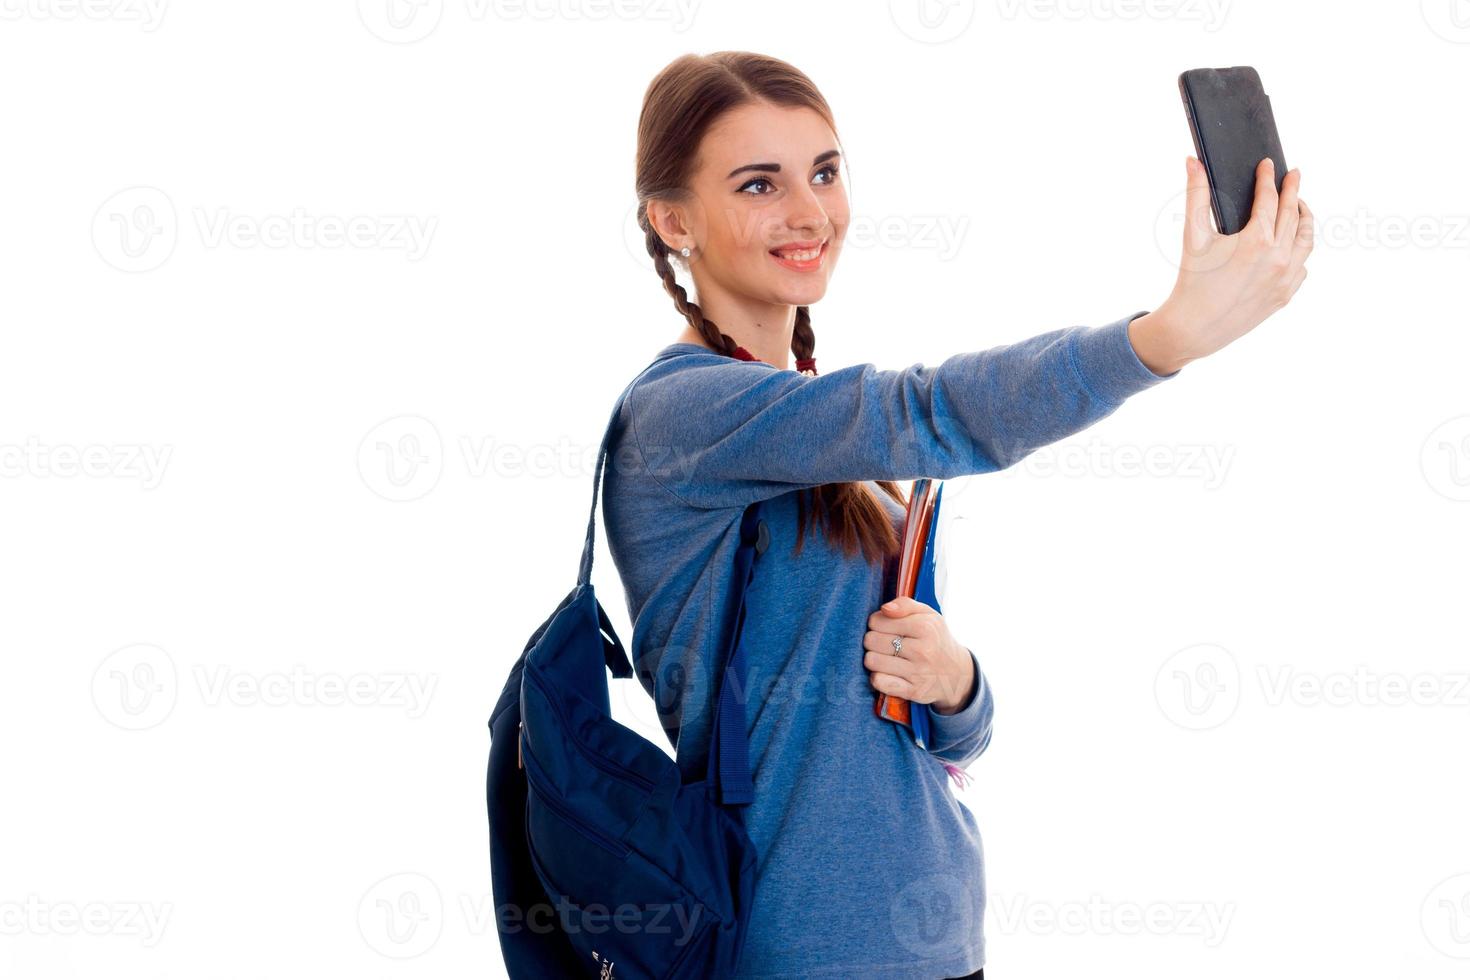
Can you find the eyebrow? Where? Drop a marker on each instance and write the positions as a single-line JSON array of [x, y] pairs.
[[776, 167]]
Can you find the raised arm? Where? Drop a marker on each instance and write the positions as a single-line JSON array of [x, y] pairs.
[[724, 433]]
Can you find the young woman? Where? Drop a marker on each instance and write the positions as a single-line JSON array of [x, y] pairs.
[[869, 866]]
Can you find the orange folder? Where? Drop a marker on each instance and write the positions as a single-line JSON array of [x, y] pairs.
[[916, 530]]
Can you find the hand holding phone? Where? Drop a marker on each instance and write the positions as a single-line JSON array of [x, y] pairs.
[[1229, 282]]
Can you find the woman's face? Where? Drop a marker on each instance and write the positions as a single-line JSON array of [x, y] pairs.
[[770, 207]]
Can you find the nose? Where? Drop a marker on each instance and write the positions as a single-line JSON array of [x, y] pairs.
[[804, 214]]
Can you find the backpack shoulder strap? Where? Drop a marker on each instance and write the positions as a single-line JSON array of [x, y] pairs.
[[584, 570], [729, 743], [729, 749]]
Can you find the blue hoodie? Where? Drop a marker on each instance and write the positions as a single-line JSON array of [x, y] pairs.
[[868, 864]]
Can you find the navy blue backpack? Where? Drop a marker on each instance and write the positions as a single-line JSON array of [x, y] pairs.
[[604, 862]]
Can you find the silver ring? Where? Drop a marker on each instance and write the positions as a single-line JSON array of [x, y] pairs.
[[898, 646]]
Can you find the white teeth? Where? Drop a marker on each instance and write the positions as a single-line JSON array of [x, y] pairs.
[[803, 255]]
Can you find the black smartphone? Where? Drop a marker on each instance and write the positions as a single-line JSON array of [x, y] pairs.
[[1233, 128]]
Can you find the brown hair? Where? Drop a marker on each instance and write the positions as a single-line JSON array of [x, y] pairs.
[[681, 103]]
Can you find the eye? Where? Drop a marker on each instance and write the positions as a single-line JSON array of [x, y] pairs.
[[829, 169]]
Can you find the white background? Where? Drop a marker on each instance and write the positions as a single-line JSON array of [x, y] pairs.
[[278, 511]]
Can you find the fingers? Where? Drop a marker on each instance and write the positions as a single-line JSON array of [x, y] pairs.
[[1306, 234], [904, 605], [1197, 228], [896, 686], [916, 625], [902, 615], [879, 642], [887, 663], [1286, 213], [1295, 270], [1296, 283], [1263, 211]]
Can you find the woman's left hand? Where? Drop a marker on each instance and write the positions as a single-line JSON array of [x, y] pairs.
[[930, 668]]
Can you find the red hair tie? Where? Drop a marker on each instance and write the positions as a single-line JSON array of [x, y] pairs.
[[803, 364]]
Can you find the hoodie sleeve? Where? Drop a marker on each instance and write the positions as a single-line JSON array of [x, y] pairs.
[[961, 737], [725, 433]]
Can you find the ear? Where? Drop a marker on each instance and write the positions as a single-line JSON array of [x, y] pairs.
[[669, 222]]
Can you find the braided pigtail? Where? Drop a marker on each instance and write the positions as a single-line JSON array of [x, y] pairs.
[[850, 514], [712, 335]]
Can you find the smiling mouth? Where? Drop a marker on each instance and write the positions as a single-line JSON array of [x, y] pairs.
[[802, 256]]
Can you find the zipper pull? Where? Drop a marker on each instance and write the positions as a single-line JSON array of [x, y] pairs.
[[519, 764]]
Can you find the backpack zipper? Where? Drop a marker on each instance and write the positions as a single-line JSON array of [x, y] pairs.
[[546, 793]]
